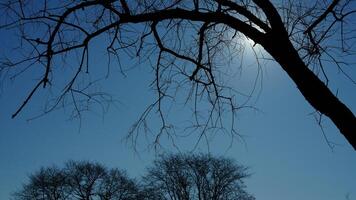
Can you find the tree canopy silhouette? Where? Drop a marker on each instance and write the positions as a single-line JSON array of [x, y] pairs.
[[172, 177], [187, 43], [79, 180], [203, 177]]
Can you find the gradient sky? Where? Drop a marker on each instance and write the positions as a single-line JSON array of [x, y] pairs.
[[284, 147]]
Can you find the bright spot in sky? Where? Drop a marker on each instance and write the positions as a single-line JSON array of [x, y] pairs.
[[248, 41]]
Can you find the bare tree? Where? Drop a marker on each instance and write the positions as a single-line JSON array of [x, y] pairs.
[[150, 193], [186, 42], [117, 185], [175, 177], [201, 177], [84, 179], [78, 181], [48, 183]]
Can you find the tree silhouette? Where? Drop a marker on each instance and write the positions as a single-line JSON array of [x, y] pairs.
[[48, 183], [186, 43], [203, 177], [78, 181], [172, 177]]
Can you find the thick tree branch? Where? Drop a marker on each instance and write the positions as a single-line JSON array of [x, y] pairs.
[[313, 89], [272, 15], [180, 18], [322, 16], [125, 6], [243, 11]]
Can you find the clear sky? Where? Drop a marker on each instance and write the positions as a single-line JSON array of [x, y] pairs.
[[284, 147]]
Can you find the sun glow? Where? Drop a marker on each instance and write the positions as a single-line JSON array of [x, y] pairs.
[[249, 42]]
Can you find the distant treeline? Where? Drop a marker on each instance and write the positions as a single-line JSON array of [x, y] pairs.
[[171, 177]]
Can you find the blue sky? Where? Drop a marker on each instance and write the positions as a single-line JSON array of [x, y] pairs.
[[284, 147]]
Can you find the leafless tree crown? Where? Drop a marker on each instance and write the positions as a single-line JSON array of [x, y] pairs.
[[187, 44], [203, 177]]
